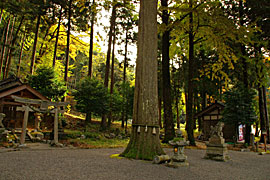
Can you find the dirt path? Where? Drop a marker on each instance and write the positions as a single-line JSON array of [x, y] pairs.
[[97, 164]]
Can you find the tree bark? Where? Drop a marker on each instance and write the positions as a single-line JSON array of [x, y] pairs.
[[9, 58], [91, 41], [57, 37], [9, 47], [1, 15], [68, 41], [144, 142], [262, 113], [124, 112], [244, 68], [35, 46], [4, 47], [107, 71], [112, 77], [20, 56], [167, 103], [113, 18], [189, 115], [266, 113]]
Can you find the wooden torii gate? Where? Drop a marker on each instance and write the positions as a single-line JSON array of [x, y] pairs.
[[43, 108]]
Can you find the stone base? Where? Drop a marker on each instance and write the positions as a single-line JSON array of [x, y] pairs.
[[216, 140], [179, 158], [218, 152], [177, 164]]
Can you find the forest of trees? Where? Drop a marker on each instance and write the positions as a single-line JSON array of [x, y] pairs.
[[206, 51]]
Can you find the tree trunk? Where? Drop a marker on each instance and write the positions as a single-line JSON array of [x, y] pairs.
[[107, 71], [262, 113], [189, 115], [112, 78], [1, 15], [20, 56], [113, 18], [4, 47], [166, 80], [125, 58], [68, 41], [159, 113], [89, 114], [125, 105], [91, 41], [177, 112], [144, 142], [266, 113], [9, 47], [9, 58], [35, 46], [57, 37]]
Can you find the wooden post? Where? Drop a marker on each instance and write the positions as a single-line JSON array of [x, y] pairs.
[[25, 121], [56, 125]]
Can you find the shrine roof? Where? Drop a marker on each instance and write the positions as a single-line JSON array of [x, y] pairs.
[[210, 108], [14, 85]]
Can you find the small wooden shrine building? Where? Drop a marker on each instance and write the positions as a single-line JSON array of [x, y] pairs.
[[14, 86], [210, 116]]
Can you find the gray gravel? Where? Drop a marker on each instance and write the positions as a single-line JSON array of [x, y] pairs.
[[75, 164]]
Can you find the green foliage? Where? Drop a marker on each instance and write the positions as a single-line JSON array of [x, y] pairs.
[[127, 92], [239, 107], [46, 82], [91, 96]]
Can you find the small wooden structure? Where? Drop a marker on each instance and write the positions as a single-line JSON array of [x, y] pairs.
[[14, 86], [210, 116]]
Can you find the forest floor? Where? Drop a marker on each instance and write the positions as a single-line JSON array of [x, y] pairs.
[[44, 162]]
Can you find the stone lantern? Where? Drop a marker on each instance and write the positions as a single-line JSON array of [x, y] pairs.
[[179, 143]]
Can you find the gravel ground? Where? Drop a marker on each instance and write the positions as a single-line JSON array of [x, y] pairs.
[[76, 164]]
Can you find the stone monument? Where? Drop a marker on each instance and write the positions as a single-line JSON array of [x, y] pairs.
[[216, 148]]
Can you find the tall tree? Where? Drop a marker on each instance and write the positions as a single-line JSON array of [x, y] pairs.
[[4, 46], [68, 39], [11, 49], [107, 70], [90, 63], [57, 37], [93, 13], [144, 142], [35, 45], [189, 116], [166, 80]]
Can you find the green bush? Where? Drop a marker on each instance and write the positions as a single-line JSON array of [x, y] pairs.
[[92, 96]]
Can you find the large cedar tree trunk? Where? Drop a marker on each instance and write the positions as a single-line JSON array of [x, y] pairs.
[[166, 80], [144, 142], [189, 116]]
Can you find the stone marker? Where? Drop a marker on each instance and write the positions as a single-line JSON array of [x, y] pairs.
[[216, 148]]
